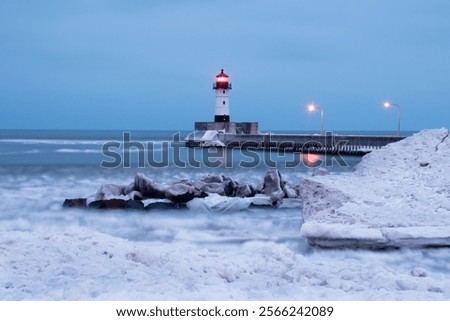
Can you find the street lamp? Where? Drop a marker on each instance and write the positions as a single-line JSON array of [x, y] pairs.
[[388, 104], [312, 108]]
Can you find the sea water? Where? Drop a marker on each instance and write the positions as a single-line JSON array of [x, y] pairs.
[[40, 169]]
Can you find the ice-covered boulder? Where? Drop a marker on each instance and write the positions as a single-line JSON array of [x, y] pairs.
[[229, 187], [108, 191], [165, 205], [134, 205], [147, 187], [272, 182], [108, 204], [180, 193], [212, 179], [271, 193], [273, 185], [289, 192], [132, 193], [135, 195], [117, 204], [214, 187], [245, 190], [225, 188], [75, 202]]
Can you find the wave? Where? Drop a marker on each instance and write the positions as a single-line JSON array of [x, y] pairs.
[[32, 151], [73, 142], [54, 141], [70, 150]]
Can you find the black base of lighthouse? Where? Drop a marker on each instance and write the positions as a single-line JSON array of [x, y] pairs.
[[222, 118]]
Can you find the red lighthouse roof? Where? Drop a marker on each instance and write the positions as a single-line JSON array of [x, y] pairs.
[[222, 75], [222, 81]]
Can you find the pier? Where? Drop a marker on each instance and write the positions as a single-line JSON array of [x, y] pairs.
[[305, 143], [224, 133]]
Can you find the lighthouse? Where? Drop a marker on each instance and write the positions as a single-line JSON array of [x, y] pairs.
[[221, 123], [222, 86]]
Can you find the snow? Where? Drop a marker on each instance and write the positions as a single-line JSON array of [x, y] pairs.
[[218, 249], [397, 196], [88, 265]]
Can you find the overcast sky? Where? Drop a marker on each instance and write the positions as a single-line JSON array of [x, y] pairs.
[[98, 64]]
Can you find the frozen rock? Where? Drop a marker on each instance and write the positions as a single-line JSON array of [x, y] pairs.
[[273, 185], [289, 192], [272, 182], [165, 206], [180, 193], [107, 191], [245, 190], [214, 188], [75, 202], [212, 179], [274, 190], [108, 204], [134, 204], [147, 187], [229, 187], [129, 188], [135, 195], [277, 196], [224, 188], [184, 181], [116, 204]]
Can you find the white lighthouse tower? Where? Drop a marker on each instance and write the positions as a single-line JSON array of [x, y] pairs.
[[222, 86], [221, 123]]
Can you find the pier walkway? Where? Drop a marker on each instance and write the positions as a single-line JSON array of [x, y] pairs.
[[329, 143]]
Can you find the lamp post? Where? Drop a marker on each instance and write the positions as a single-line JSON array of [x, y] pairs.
[[388, 104], [312, 108]]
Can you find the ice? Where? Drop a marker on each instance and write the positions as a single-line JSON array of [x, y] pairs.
[[398, 196], [232, 251], [87, 265], [219, 203]]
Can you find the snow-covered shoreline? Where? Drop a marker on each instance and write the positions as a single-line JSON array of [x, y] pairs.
[[87, 265], [397, 196], [50, 253]]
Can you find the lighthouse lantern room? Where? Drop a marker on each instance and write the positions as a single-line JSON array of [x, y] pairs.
[[221, 87]]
